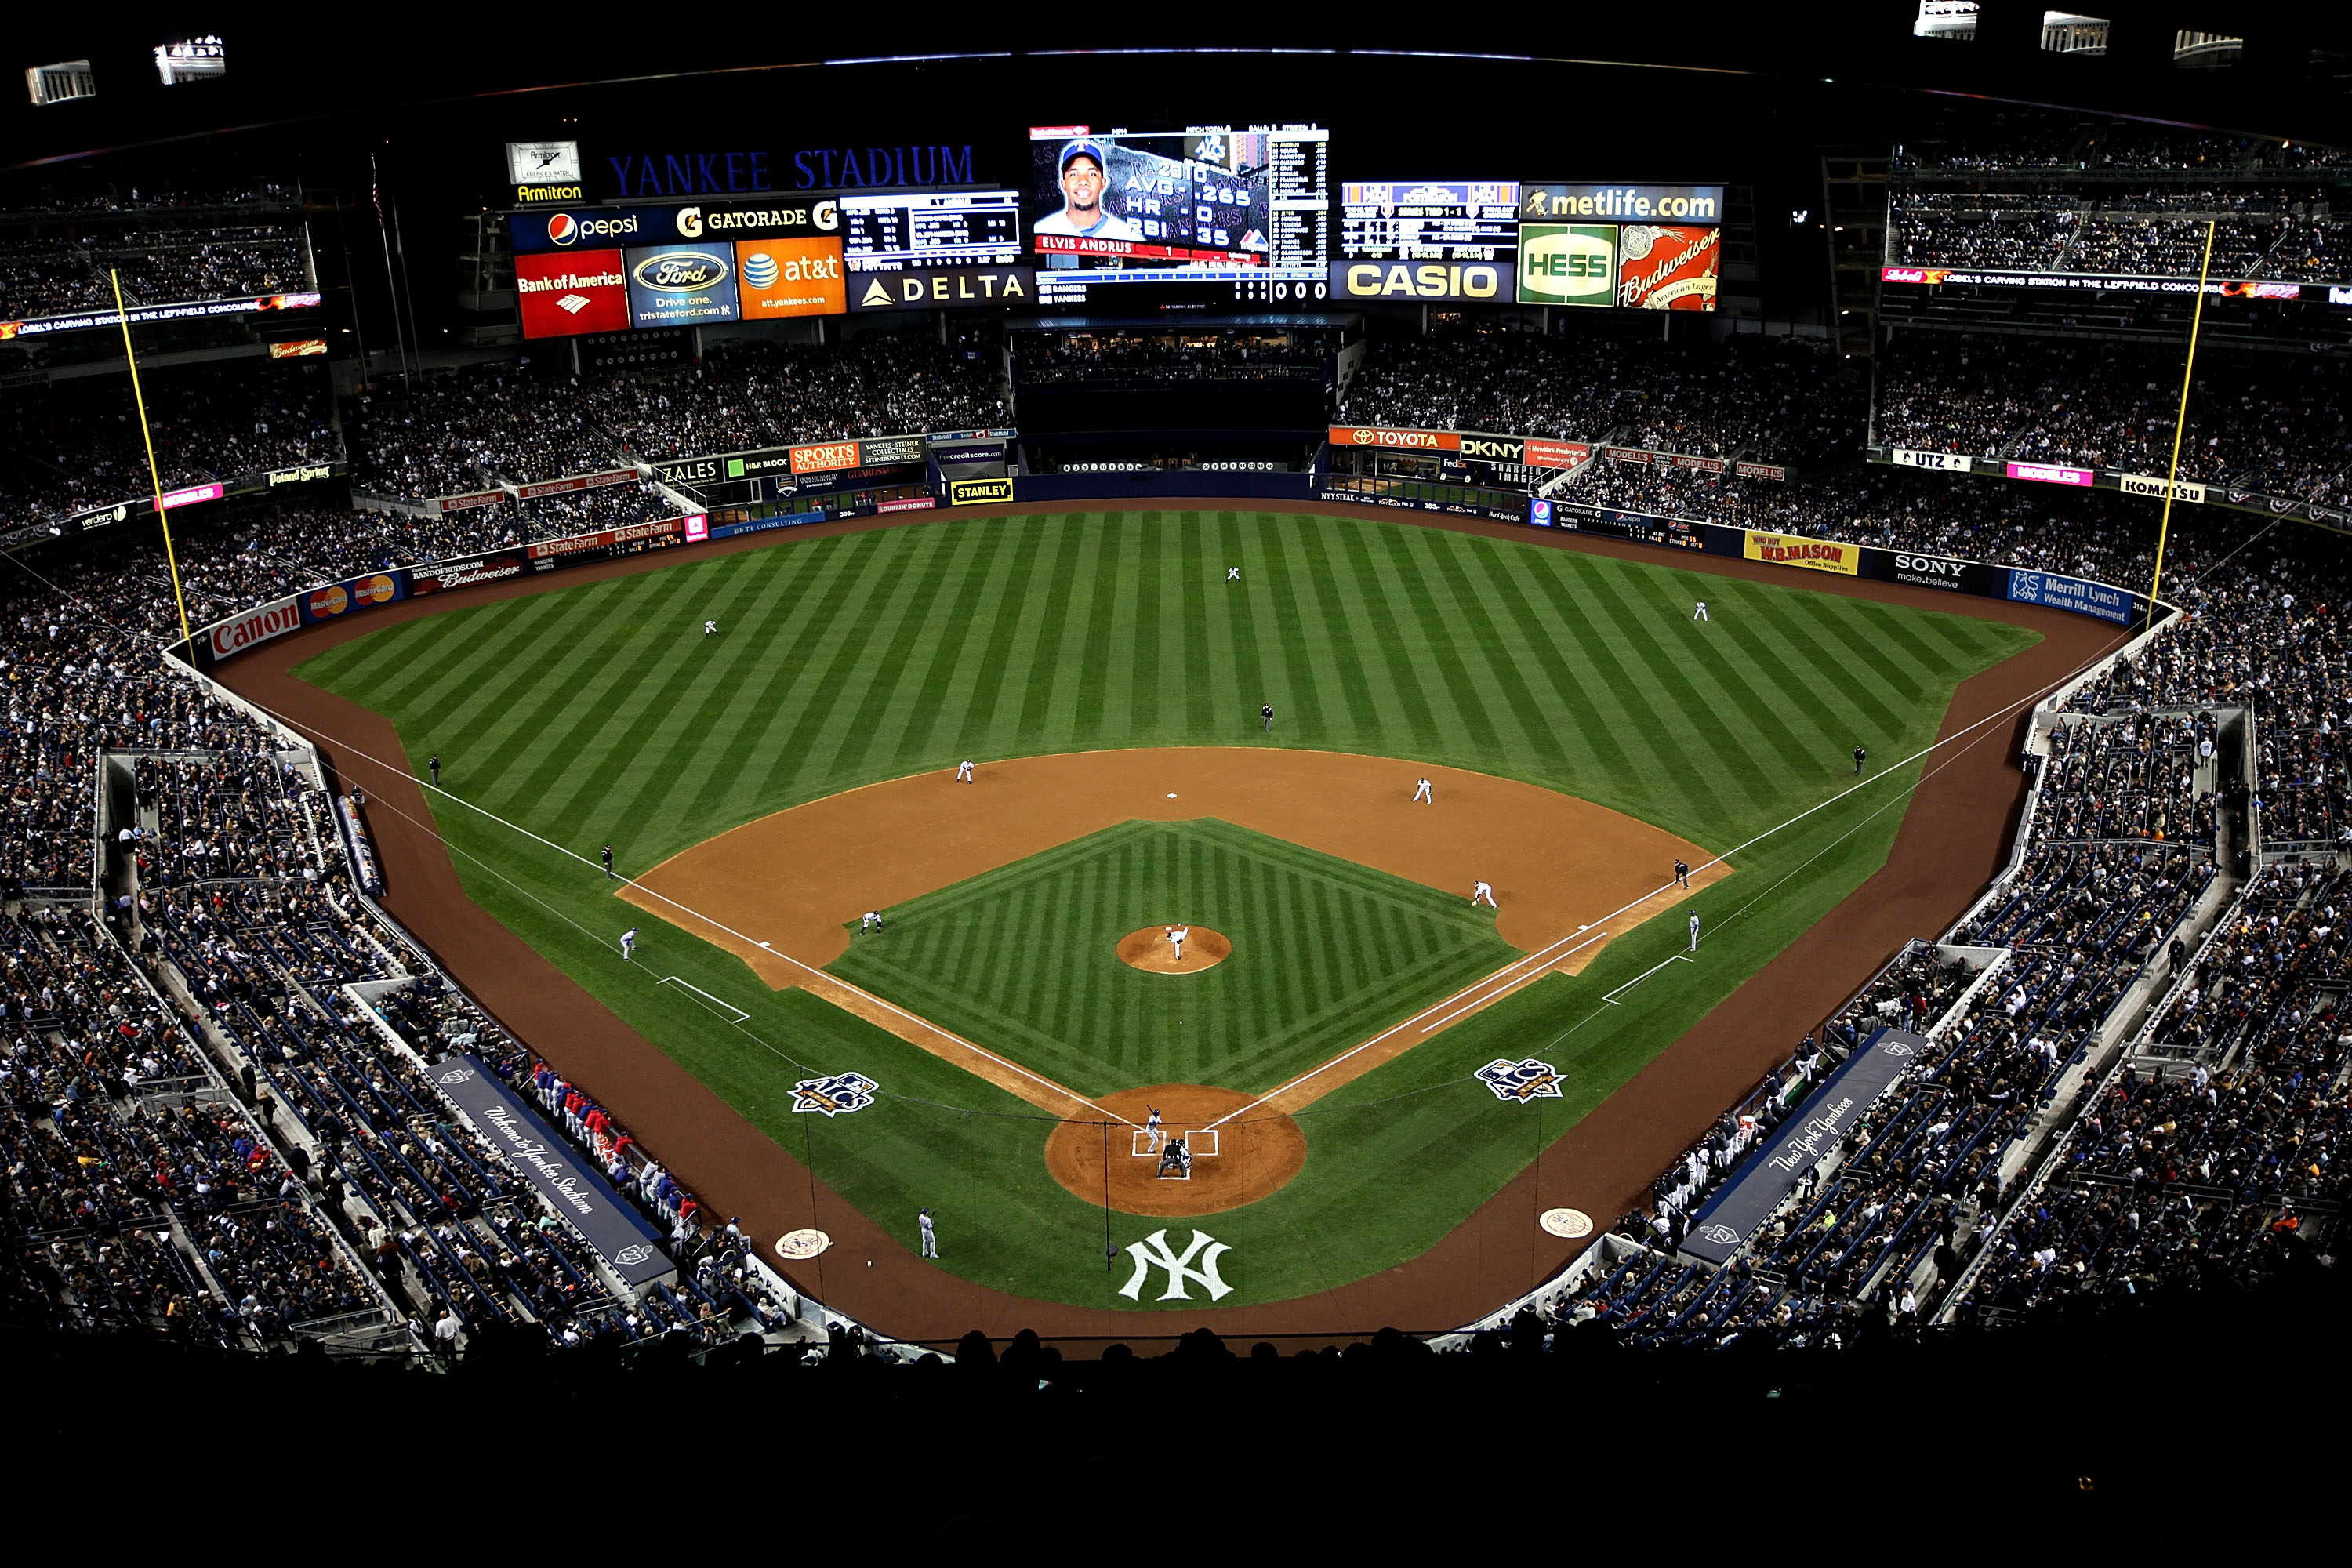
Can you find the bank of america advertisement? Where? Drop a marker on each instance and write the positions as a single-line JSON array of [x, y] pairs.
[[568, 292]]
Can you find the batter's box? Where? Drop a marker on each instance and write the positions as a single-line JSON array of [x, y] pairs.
[[1204, 1143]]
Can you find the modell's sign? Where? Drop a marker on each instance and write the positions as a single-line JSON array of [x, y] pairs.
[[255, 626], [1407, 440]]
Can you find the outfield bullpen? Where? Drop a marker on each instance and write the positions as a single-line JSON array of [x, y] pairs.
[[599, 711]]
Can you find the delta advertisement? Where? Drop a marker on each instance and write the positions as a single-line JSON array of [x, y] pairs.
[[566, 294], [1813, 554]]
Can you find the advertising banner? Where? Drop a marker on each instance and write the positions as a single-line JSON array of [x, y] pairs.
[[186, 310], [1935, 572], [2151, 485], [1398, 440], [1696, 465], [1722, 1225], [2078, 594], [565, 294], [698, 527], [297, 348], [1622, 203], [1610, 523], [256, 626], [976, 492], [1630, 454], [824, 457], [944, 289], [789, 276], [445, 576], [882, 451], [789, 520], [467, 502], [1761, 471], [303, 473], [1666, 269], [1556, 453], [192, 494], [1942, 462], [680, 285], [912, 503], [1562, 264], [1813, 554], [1479, 282], [566, 1179], [2051, 474], [358, 594], [577, 482], [583, 543]]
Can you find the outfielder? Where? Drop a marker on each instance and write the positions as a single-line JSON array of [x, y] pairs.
[[1420, 792], [1176, 935], [930, 1237], [629, 944], [710, 628], [1693, 930], [1861, 755], [1233, 573], [1266, 713], [1481, 891], [1698, 612], [1152, 1135], [963, 771]]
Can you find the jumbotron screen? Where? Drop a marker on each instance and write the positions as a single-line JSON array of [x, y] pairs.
[[1247, 207]]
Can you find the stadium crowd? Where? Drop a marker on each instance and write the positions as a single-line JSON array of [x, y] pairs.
[[1779, 399]]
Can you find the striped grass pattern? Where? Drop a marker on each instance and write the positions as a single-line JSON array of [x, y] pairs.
[[1326, 953], [603, 713]]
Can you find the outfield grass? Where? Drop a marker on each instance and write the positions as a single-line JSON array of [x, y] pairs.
[[1325, 953], [600, 713]]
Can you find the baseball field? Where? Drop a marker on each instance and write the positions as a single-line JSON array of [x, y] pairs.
[[764, 786]]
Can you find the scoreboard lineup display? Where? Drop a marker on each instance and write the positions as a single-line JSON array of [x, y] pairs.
[[895, 231], [1213, 214]]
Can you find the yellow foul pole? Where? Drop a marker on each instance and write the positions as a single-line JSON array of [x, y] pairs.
[[2180, 422], [154, 477]]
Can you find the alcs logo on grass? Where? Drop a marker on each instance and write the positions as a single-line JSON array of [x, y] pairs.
[[1568, 264]]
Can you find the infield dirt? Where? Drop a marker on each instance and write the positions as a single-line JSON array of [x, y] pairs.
[[1955, 836]]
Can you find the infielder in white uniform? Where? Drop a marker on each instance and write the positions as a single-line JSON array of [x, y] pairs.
[[930, 1237], [1700, 614], [1421, 793], [870, 921], [1151, 1132], [1480, 891], [963, 771], [629, 944], [1176, 935], [1693, 930]]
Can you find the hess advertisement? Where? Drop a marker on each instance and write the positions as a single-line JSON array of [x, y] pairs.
[[578, 291], [1568, 264], [778, 278], [680, 285], [1666, 269]]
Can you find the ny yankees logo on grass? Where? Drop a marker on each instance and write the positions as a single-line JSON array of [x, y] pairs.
[[1154, 1252], [1521, 1081], [835, 1096]]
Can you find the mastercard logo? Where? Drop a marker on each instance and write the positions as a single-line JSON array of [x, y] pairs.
[[375, 590], [330, 602], [563, 229]]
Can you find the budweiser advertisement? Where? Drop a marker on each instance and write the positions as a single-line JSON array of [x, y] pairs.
[[570, 291], [1398, 440], [443, 576], [1666, 269]]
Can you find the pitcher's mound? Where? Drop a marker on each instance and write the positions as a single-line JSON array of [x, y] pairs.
[[1234, 1161], [1150, 949]]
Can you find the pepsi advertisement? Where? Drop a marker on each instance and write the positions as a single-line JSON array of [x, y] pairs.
[[680, 285]]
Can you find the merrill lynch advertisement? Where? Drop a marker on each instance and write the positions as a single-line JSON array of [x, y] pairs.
[[2077, 593], [621, 1236]]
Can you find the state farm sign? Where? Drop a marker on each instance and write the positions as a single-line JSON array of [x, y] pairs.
[[256, 626]]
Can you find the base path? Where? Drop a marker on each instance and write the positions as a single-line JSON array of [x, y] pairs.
[[1954, 836]]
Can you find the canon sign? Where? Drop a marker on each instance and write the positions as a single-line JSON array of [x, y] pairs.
[[256, 626]]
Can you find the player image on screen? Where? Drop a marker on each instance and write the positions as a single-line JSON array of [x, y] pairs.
[[1161, 202], [1084, 178]]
